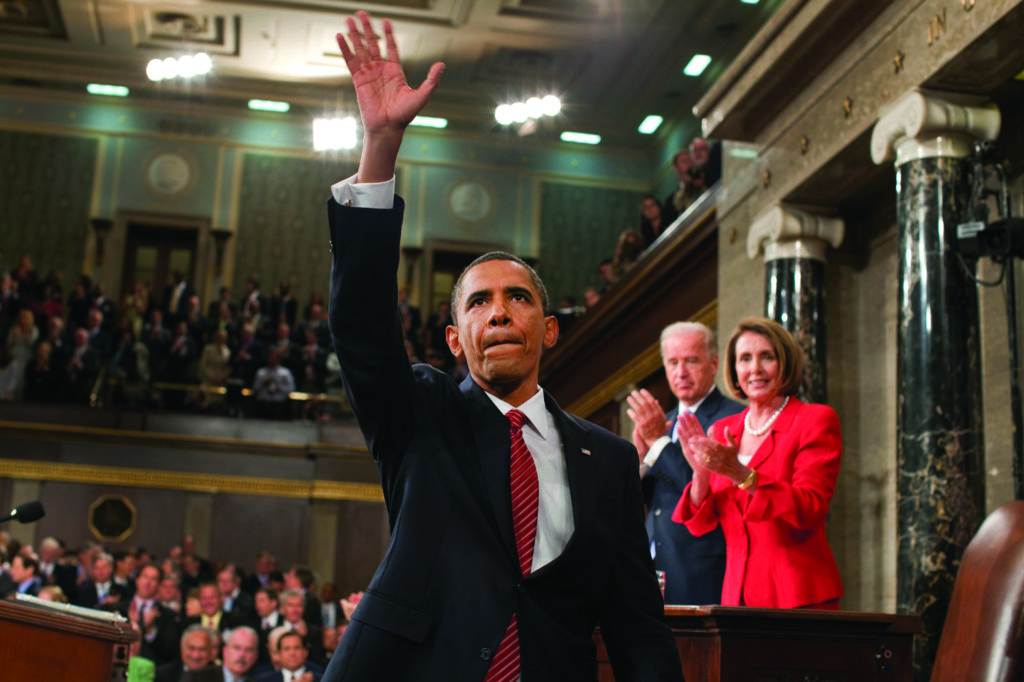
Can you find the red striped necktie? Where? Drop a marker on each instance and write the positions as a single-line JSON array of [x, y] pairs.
[[525, 491]]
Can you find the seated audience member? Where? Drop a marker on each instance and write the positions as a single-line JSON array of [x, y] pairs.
[[44, 378], [159, 625], [267, 610], [273, 661], [11, 376], [292, 608], [99, 336], [239, 656], [101, 592], [21, 577], [627, 251], [652, 220], [215, 362], [591, 296], [316, 322], [607, 274], [236, 604], [82, 368], [124, 571], [272, 385], [169, 591], [21, 340], [707, 163], [266, 563], [300, 579], [772, 502], [330, 609], [197, 654], [293, 657], [685, 193], [53, 593], [60, 342], [211, 613]]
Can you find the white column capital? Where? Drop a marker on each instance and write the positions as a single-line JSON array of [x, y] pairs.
[[786, 232], [923, 124]]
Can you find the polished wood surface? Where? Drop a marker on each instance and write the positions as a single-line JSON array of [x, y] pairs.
[[37, 644], [735, 644], [983, 636]]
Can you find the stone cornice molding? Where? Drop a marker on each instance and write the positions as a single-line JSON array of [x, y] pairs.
[[786, 232], [923, 124]]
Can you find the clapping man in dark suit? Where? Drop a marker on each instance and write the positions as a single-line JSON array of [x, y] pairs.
[[101, 592], [160, 626], [293, 655], [694, 566], [22, 578], [516, 528]]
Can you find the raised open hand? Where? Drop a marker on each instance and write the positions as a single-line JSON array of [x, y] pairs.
[[706, 452], [647, 415], [386, 101]]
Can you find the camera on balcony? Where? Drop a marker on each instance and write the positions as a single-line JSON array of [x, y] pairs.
[[999, 239]]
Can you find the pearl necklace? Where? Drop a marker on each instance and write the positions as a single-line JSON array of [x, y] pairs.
[[763, 429]]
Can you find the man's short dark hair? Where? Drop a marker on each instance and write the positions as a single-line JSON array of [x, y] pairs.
[[27, 563], [159, 571], [535, 279], [270, 592], [290, 633], [305, 576]]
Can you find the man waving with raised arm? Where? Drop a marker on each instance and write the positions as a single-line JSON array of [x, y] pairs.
[[516, 527]]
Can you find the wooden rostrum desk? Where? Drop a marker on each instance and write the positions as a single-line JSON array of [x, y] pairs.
[[38, 643], [736, 644]]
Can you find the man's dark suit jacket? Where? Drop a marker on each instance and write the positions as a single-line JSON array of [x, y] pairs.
[[439, 603], [88, 597], [694, 567], [278, 676]]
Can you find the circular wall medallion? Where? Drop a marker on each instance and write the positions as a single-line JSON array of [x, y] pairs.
[[470, 200], [169, 173], [112, 518]]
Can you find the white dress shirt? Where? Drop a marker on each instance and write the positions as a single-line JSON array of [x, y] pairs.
[[554, 506]]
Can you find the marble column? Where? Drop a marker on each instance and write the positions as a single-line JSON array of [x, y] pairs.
[[940, 468], [794, 244]]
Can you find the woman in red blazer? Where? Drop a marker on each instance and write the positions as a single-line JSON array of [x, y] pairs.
[[767, 475]]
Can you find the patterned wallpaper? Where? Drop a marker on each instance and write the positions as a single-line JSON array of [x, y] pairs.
[[45, 192], [579, 227], [282, 223]]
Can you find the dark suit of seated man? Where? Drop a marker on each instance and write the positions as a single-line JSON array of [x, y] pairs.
[[516, 528], [295, 664], [694, 567]]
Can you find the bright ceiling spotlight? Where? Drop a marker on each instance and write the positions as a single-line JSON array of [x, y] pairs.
[[519, 112], [186, 66], [171, 68], [580, 138], [202, 63], [650, 124], [429, 122], [108, 90], [269, 105], [334, 133], [696, 65], [534, 107], [155, 70], [503, 114], [551, 105]]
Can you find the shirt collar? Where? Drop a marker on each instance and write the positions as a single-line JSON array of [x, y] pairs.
[[535, 409], [695, 406]]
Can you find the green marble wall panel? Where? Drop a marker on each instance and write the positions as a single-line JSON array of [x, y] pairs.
[[46, 185], [579, 227], [282, 222]]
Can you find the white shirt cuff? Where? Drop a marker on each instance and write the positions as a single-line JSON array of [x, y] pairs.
[[655, 450], [348, 192]]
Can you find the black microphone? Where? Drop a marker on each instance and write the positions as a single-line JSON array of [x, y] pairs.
[[26, 513]]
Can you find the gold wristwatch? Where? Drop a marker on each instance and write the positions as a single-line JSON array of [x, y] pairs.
[[749, 482]]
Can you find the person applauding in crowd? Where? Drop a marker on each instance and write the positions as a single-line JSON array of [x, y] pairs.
[[767, 476]]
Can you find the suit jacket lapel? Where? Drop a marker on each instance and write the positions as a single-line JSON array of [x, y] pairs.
[[709, 408], [488, 473], [781, 425]]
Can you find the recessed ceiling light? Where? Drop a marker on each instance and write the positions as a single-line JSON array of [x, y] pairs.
[[750, 2], [269, 105], [108, 90], [696, 65], [650, 124], [429, 122], [334, 133], [580, 138]]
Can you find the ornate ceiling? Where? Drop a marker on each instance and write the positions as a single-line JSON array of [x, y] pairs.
[[612, 61]]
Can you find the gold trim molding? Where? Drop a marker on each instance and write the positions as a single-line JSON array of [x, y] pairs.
[[637, 369], [189, 481]]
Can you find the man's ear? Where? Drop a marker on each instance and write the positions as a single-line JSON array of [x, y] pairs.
[[550, 331], [451, 337]]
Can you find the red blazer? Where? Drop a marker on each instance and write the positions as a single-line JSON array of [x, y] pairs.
[[776, 552]]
